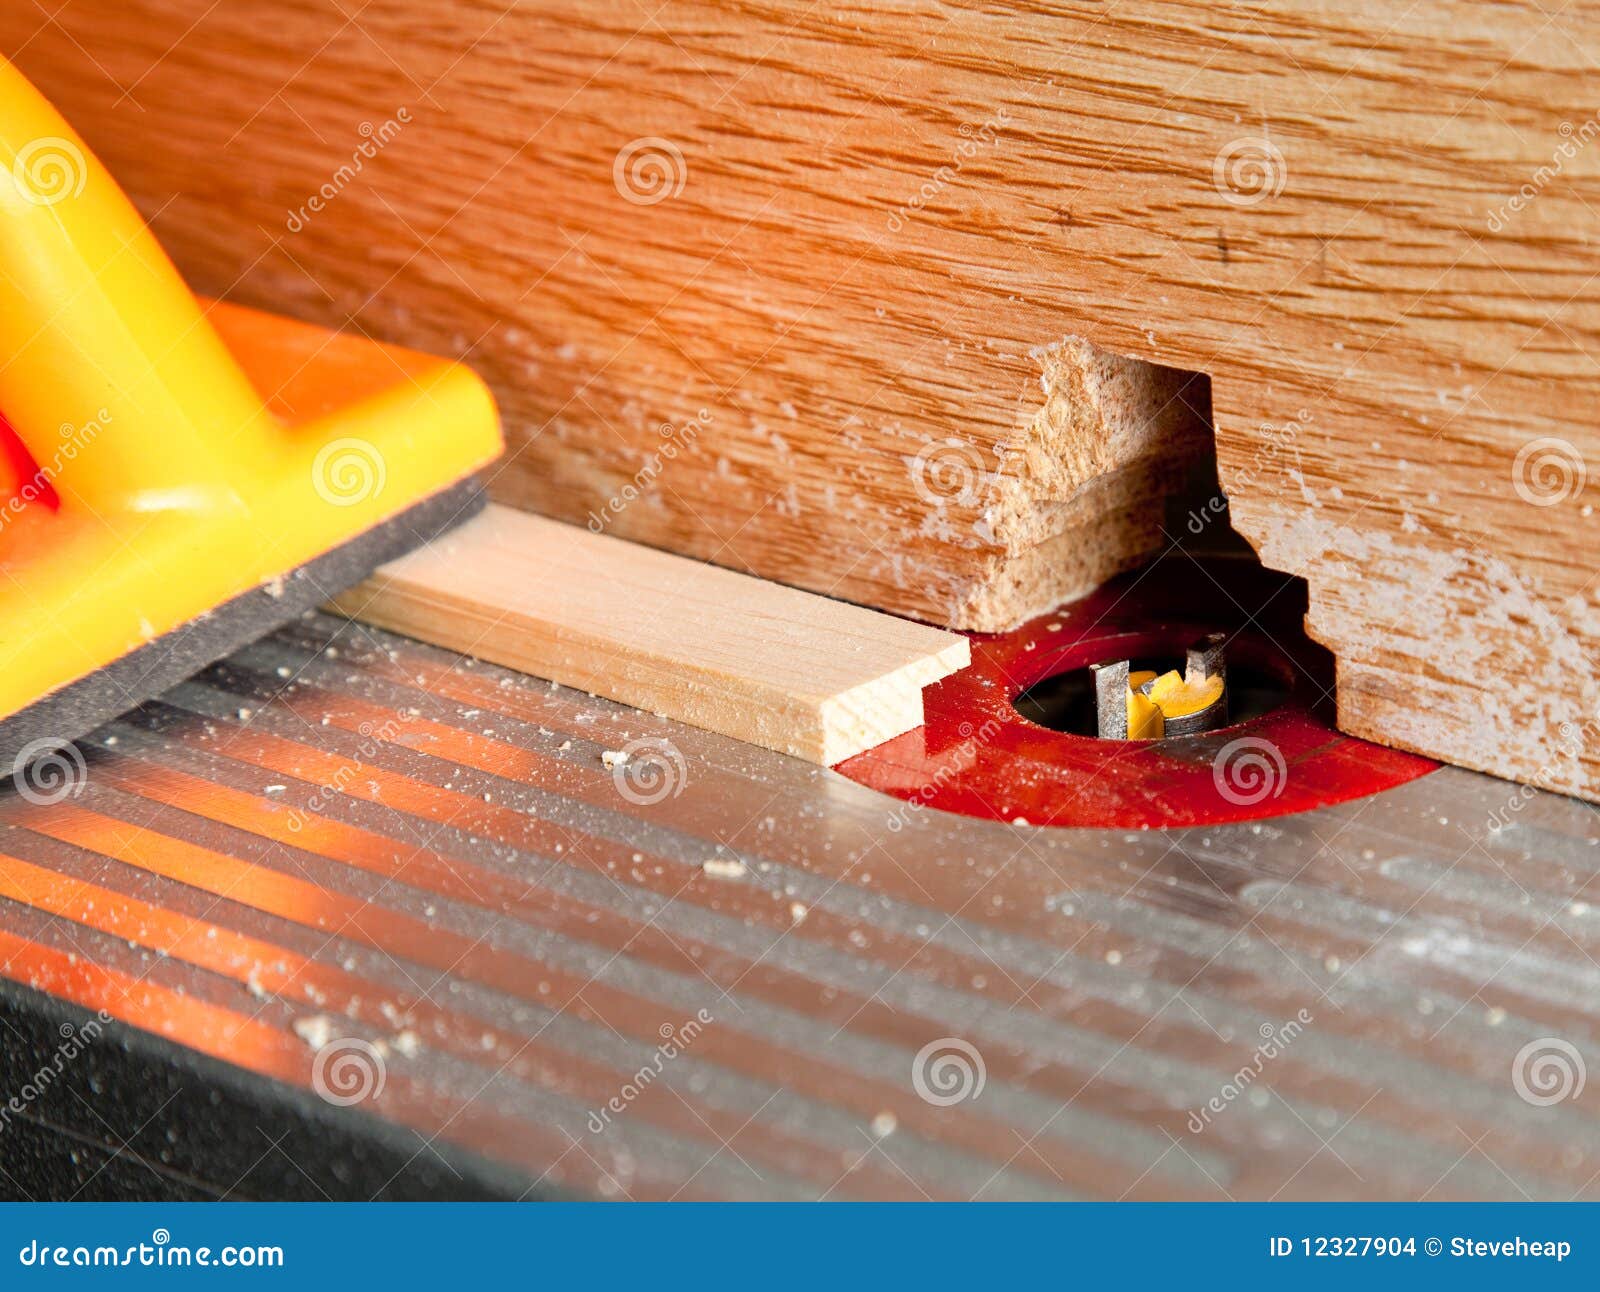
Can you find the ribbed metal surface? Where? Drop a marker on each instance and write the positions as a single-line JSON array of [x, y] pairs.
[[341, 835]]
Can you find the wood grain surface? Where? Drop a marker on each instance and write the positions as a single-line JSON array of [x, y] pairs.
[[740, 656], [815, 248]]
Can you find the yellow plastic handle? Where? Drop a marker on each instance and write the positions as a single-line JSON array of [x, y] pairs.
[[93, 316], [179, 488]]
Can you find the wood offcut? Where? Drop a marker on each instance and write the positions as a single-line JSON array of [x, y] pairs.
[[772, 665]]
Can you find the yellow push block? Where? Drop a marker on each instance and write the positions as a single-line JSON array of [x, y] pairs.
[[166, 456]]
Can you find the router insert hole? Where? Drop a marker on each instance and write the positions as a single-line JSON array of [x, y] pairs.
[[1065, 702]]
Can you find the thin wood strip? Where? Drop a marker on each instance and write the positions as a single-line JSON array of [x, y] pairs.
[[785, 669]]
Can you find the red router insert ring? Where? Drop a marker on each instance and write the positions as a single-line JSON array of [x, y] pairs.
[[977, 756]]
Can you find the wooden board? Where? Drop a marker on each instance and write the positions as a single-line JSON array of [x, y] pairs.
[[810, 245], [781, 668]]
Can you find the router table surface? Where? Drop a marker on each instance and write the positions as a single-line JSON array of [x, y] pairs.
[[341, 843]]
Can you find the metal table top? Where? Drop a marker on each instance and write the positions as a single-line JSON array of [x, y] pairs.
[[406, 885]]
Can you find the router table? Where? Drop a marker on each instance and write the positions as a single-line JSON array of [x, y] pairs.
[[350, 916], [881, 385]]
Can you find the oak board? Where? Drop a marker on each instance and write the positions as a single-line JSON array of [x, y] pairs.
[[819, 247]]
